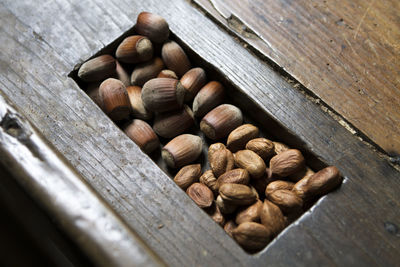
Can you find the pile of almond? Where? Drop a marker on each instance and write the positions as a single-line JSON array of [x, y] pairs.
[[255, 187]]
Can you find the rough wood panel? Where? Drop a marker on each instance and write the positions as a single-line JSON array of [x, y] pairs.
[[41, 42], [345, 52]]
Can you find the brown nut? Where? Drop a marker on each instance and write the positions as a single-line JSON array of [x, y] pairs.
[[319, 183], [173, 123], [162, 94], [122, 75], [225, 207], [247, 159], [278, 185], [213, 148], [210, 96], [262, 147], [167, 74], [175, 58], [153, 26], [143, 135], [138, 109], [220, 121], [229, 227], [250, 213], [209, 180], [188, 175], [216, 214], [272, 218], [303, 173], [236, 176], [238, 138], [97, 69], [286, 163], [115, 99], [134, 49], [286, 200], [237, 194], [200, 194], [193, 81], [252, 236], [221, 161], [182, 150], [280, 147], [146, 71]]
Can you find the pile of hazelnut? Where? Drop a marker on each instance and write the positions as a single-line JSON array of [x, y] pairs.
[[255, 187]]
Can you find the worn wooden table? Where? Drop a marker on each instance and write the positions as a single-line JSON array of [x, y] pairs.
[[307, 74]]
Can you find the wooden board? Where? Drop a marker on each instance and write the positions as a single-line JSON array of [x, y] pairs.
[[40, 43], [345, 52]]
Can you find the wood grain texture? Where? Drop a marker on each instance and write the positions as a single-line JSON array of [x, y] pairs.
[[345, 52], [41, 42]]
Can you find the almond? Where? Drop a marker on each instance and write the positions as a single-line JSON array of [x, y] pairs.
[[272, 218], [280, 147], [216, 214], [237, 194], [209, 180], [221, 161], [224, 206], [286, 163], [213, 148], [247, 159], [238, 138], [252, 236], [236, 176], [286, 200], [250, 213], [303, 173], [188, 175], [278, 185], [262, 147], [200, 194], [229, 227]]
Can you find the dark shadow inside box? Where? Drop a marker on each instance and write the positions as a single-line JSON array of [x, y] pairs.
[[252, 112]]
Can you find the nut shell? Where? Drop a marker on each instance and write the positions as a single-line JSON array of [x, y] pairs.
[[122, 75], [247, 159], [188, 175], [220, 121], [143, 135], [97, 69], [173, 123], [286, 163], [146, 71], [162, 94], [134, 49], [210, 96], [200, 194], [175, 58], [193, 81], [238, 138], [138, 109], [153, 26], [115, 99], [182, 150]]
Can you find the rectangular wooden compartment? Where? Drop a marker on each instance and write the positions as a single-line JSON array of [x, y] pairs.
[[332, 233]]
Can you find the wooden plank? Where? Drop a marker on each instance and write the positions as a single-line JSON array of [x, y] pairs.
[[344, 52], [64, 195], [357, 221]]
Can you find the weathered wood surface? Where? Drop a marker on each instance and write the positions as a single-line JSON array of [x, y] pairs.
[[345, 52], [65, 196], [41, 42]]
